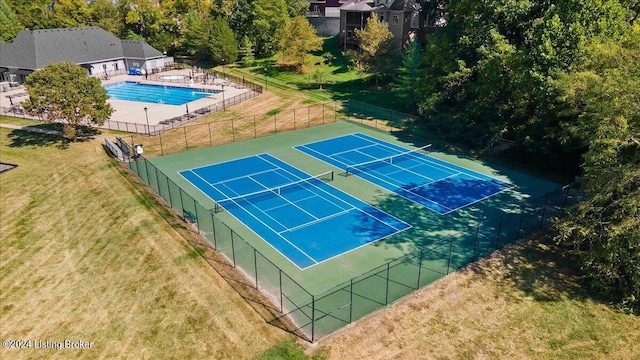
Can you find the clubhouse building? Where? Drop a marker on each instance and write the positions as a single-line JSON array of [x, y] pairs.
[[93, 48]]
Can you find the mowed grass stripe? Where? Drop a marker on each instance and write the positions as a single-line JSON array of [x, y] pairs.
[[85, 257]]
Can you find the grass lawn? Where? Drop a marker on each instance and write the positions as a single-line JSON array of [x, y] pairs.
[[84, 256], [340, 82]]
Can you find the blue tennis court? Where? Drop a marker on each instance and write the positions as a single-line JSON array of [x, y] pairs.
[[301, 216], [436, 184]]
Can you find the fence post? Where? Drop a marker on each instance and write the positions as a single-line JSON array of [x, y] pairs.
[[181, 203], [520, 224], [210, 138], [146, 169], [186, 146], [386, 295], [255, 265], [195, 206], [313, 317], [233, 132], [475, 245], [544, 210], [233, 249], [161, 149], [213, 229], [566, 197], [275, 123], [420, 267], [499, 231], [281, 294], [450, 253], [255, 131], [351, 302]]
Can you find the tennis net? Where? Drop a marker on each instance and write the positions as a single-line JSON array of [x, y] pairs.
[[280, 190], [351, 169]]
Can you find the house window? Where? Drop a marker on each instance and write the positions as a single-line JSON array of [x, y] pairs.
[[395, 19], [115, 65]]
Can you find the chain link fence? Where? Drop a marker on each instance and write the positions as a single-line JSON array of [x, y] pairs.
[[313, 316]]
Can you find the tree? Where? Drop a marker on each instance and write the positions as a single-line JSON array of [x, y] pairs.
[[65, 92], [247, 55], [260, 21], [319, 73], [222, 42], [69, 13], [10, 26], [196, 34], [375, 48], [407, 84], [297, 40], [297, 7], [105, 14], [604, 88]]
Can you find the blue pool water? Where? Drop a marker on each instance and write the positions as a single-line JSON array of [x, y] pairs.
[[157, 94]]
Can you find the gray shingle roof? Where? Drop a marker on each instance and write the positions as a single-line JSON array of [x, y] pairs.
[[358, 5], [34, 49], [139, 49]]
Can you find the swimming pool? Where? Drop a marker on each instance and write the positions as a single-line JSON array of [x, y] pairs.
[[157, 94]]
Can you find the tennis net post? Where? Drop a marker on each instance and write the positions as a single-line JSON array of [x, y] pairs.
[[349, 170]]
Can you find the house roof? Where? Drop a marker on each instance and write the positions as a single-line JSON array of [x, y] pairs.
[[34, 49], [139, 49], [358, 5]]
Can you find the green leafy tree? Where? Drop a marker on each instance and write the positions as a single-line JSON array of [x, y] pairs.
[[319, 74], [297, 40], [604, 88], [10, 26], [222, 42], [196, 34], [65, 92], [45, 14], [69, 13], [104, 14], [247, 52], [375, 48], [260, 21], [407, 84], [297, 7], [144, 20]]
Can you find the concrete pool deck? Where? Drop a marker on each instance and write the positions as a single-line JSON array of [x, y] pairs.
[[133, 111]]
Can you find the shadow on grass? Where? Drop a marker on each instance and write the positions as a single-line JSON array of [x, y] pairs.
[[541, 269], [22, 138], [44, 135]]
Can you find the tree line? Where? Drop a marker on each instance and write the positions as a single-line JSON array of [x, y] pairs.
[[560, 80], [217, 32]]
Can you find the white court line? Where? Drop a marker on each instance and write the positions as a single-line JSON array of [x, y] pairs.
[[352, 150], [437, 162], [321, 154], [244, 176], [331, 196], [224, 162], [317, 220]]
